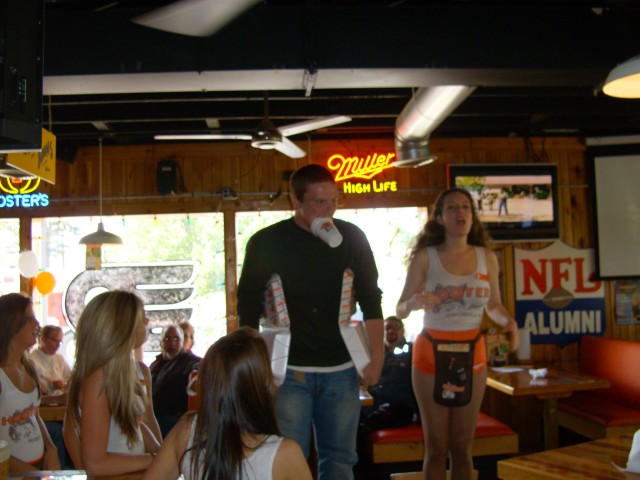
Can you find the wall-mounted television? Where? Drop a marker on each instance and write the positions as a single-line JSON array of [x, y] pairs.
[[516, 202]]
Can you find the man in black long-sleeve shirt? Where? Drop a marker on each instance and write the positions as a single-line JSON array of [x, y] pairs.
[[321, 384]]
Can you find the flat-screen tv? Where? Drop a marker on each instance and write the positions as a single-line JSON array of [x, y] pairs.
[[517, 202]]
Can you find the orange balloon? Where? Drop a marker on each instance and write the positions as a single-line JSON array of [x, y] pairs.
[[45, 282]]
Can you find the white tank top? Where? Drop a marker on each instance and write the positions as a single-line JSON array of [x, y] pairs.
[[257, 466], [18, 422], [118, 441], [462, 297]]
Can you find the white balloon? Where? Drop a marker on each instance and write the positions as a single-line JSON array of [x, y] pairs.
[[28, 264]]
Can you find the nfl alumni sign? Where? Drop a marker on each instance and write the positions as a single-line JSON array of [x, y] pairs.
[[557, 298]]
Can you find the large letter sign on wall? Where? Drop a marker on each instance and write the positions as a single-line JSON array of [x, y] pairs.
[[555, 298], [166, 288]]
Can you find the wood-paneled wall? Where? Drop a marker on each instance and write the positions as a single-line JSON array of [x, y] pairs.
[[129, 188]]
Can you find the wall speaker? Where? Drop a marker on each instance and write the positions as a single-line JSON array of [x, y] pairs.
[[66, 152], [167, 177]]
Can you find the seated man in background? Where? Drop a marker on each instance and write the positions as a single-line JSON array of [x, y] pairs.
[[53, 370], [170, 376], [53, 375], [394, 402]]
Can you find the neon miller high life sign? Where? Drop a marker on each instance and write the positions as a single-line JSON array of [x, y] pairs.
[[362, 168]]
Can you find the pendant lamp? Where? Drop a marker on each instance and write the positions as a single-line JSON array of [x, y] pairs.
[[100, 236], [624, 80]]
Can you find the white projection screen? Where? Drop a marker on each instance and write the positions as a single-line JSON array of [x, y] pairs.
[[617, 202]]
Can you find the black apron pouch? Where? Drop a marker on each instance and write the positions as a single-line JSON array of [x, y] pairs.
[[454, 370]]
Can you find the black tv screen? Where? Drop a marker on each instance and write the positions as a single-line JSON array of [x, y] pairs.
[[514, 201]]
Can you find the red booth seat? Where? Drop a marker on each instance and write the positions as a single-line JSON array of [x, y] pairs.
[[607, 411], [405, 444]]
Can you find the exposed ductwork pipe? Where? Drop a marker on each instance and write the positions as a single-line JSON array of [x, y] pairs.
[[428, 107]]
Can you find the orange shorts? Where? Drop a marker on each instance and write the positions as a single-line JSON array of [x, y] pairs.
[[423, 357]]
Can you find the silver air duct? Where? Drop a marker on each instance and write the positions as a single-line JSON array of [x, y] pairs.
[[428, 107]]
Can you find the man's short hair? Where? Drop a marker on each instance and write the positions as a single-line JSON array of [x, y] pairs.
[[304, 176], [175, 327], [393, 318], [49, 330]]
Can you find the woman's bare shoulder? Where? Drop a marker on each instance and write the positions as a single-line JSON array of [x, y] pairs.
[[490, 255], [421, 258], [290, 463], [93, 382]]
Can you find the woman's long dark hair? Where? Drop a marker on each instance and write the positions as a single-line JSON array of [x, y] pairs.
[[12, 319], [236, 398], [433, 232]]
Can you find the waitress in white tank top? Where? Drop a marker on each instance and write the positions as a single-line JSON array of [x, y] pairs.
[[453, 276]]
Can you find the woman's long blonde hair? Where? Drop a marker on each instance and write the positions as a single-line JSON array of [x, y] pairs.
[[105, 339]]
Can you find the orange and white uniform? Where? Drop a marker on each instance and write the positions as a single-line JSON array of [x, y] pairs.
[[18, 421], [458, 315]]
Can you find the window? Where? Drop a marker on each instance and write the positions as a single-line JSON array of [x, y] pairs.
[[10, 245], [147, 240]]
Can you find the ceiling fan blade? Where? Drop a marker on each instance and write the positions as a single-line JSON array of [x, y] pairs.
[[308, 125], [205, 136], [289, 148], [197, 18]]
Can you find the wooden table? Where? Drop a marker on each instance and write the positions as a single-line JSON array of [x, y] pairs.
[[52, 413], [366, 400], [555, 385], [74, 475], [590, 460]]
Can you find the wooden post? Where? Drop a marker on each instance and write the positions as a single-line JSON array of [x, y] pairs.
[[231, 266]]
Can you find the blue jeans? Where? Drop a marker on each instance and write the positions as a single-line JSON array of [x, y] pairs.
[[55, 432], [329, 403]]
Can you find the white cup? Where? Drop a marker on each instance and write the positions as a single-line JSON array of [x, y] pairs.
[[5, 453], [524, 350], [325, 230]]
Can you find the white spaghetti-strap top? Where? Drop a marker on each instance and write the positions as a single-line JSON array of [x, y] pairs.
[[257, 466]]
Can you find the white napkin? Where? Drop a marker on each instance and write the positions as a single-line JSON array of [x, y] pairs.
[[538, 372], [633, 463]]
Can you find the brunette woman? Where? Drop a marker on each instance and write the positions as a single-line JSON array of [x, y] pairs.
[[21, 425], [453, 276], [234, 434]]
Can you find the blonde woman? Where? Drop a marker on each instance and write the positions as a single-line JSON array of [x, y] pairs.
[[109, 426]]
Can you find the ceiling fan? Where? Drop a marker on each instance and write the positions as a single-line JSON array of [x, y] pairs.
[[197, 18], [267, 136]]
